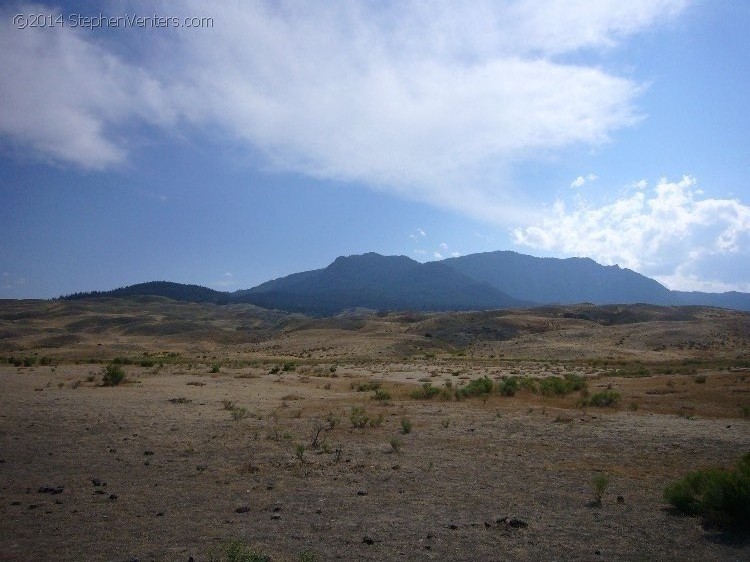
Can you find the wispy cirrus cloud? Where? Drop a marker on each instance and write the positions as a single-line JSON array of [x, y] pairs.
[[432, 102], [670, 232]]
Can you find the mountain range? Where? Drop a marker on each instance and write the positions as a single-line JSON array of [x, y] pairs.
[[483, 281]]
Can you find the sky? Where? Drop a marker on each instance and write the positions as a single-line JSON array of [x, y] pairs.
[[228, 143]]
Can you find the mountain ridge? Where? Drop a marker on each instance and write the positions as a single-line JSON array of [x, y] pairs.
[[482, 281]]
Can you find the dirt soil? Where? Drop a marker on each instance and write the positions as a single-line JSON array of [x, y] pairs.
[[202, 447]]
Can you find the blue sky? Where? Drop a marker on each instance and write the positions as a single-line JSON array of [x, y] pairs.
[[281, 135]]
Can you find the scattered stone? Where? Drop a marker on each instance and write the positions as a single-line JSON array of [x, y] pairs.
[[148, 453], [50, 490], [96, 482], [368, 540], [15, 503], [276, 516], [99, 492], [512, 522], [33, 506], [160, 514], [362, 493], [276, 508], [620, 499], [113, 496], [453, 526], [242, 509]]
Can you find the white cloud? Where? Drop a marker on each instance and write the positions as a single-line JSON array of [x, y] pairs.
[[668, 233], [61, 93], [443, 246], [437, 255], [430, 101], [581, 180]]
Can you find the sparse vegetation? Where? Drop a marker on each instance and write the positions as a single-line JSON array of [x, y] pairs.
[[720, 496], [358, 417], [604, 398], [113, 375], [599, 484], [425, 392], [236, 550], [405, 425]]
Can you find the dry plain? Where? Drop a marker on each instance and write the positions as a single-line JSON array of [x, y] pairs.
[[235, 424]]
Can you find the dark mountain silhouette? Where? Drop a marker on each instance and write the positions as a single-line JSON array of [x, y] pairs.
[[732, 299], [563, 281], [377, 282], [174, 291], [475, 282]]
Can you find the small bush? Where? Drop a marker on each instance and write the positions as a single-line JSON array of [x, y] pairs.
[[552, 386], [604, 398], [358, 417], [366, 386], [236, 550], [382, 395], [477, 387], [376, 422], [700, 379], [721, 497], [508, 386], [113, 375], [405, 425], [239, 413], [289, 366], [395, 444], [425, 392], [599, 485], [215, 368]]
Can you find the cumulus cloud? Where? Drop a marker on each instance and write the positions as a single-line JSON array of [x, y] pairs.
[[580, 181], [669, 232], [430, 101]]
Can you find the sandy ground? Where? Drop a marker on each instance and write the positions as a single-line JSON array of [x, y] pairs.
[[159, 469]]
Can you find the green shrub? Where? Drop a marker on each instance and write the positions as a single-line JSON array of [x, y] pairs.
[[358, 417], [721, 497], [700, 379], [477, 387], [365, 386], [508, 386], [405, 425], [529, 383], [604, 398], [215, 368], [377, 421], [289, 366], [382, 395], [425, 392], [235, 550], [113, 375], [599, 484], [553, 386]]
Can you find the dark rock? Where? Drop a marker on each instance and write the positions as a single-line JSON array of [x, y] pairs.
[[512, 522], [96, 482], [99, 492], [276, 516], [113, 497], [362, 493], [50, 490], [242, 509], [148, 453], [620, 499], [368, 540]]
